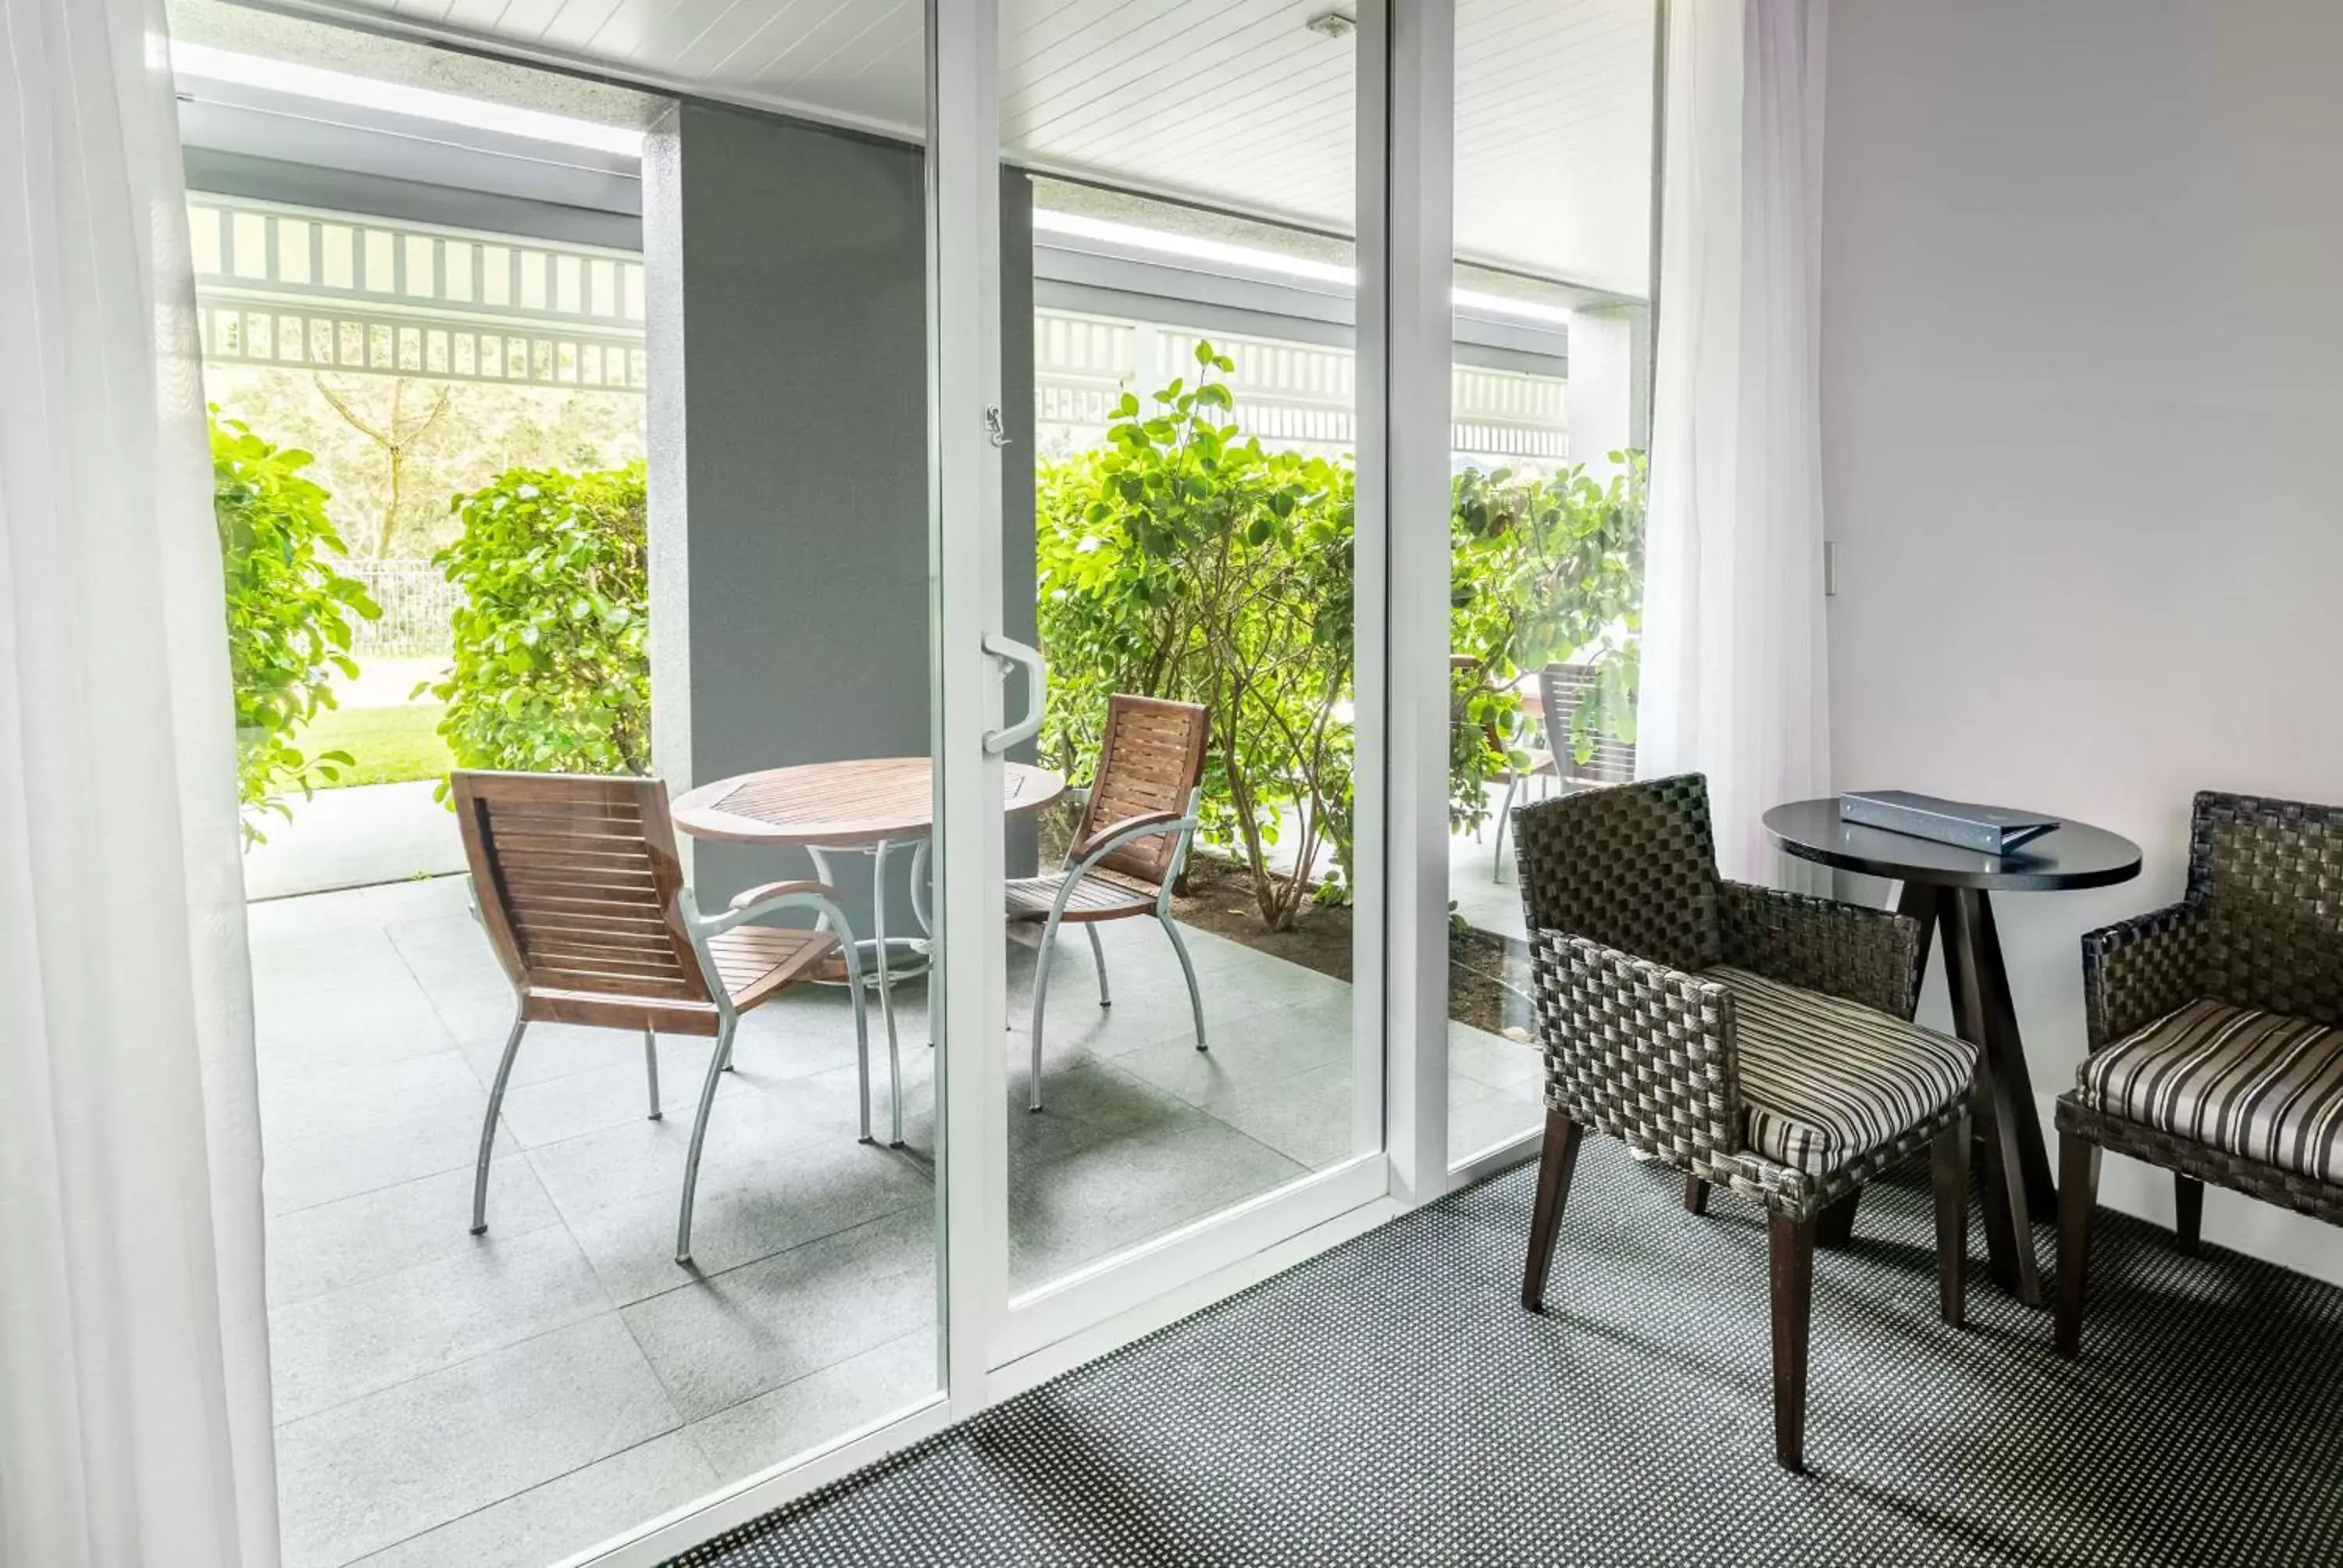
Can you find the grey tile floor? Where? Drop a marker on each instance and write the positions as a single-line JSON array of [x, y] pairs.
[[499, 1402]]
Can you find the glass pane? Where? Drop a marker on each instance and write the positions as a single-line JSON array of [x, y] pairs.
[[477, 500], [1179, 517], [1552, 398]]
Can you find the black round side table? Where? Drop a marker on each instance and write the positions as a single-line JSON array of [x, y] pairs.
[[1948, 887]]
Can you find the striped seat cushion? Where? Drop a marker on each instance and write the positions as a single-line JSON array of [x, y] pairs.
[[2258, 1085], [1825, 1080]]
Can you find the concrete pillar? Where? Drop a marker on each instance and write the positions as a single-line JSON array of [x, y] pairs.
[[789, 458], [1016, 460], [1609, 384], [786, 305]]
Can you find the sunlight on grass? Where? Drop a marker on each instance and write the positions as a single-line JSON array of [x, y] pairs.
[[393, 745]]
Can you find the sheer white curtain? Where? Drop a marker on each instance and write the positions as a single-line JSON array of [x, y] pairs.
[[133, 1374], [1734, 682]]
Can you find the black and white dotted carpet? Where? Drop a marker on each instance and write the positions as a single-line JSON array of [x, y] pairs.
[[1389, 1403]]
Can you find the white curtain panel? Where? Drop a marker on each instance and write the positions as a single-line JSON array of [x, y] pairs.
[[1735, 681], [133, 1373]]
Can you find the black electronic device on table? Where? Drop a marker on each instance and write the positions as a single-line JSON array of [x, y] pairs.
[[1990, 829]]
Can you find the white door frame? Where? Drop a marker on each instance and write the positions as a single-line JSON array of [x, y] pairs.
[[1406, 336], [964, 531], [1405, 91]]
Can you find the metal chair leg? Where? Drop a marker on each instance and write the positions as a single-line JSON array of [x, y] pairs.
[[716, 1064], [488, 1127], [650, 1068], [862, 1048], [879, 943], [1505, 815], [1041, 999], [1195, 997], [1098, 958]]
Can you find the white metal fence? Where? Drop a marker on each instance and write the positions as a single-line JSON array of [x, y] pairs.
[[292, 285], [417, 602], [1290, 394]]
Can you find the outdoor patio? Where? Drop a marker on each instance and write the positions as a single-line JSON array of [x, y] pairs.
[[443, 1399]]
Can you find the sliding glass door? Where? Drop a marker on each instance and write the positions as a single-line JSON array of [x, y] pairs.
[[582, 434], [1551, 396], [1059, 535], [1179, 500]]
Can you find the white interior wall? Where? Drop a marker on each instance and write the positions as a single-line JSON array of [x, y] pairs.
[[2083, 442]]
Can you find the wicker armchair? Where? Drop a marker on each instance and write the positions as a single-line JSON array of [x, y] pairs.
[[1756, 1039], [2216, 1033]]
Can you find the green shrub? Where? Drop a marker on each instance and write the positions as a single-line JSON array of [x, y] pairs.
[[1541, 572], [552, 662], [290, 615], [1182, 560]]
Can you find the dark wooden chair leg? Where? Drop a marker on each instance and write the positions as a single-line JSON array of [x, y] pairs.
[[1791, 1266], [1557, 1160], [1948, 1164], [2188, 1212], [2078, 1194], [1834, 1226], [1695, 1195]]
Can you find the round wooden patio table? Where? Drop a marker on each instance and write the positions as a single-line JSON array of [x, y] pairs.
[[870, 806]]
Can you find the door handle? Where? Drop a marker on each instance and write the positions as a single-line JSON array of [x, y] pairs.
[[1009, 652]]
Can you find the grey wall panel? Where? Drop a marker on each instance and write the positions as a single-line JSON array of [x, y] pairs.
[[796, 457], [2058, 259], [1017, 599]]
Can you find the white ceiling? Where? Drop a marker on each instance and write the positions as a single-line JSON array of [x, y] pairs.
[[1231, 103]]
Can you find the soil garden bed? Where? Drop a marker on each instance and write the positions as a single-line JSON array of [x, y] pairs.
[[1488, 974]]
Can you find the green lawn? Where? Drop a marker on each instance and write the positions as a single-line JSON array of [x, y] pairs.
[[393, 745]]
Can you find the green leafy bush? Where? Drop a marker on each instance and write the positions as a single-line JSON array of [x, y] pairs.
[[1542, 571], [552, 662], [1182, 560], [290, 615]]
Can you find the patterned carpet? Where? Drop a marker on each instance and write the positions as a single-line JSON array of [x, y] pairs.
[[1389, 1403]]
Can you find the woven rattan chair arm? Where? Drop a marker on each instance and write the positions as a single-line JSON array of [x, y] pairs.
[[1636, 1048], [1868, 957], [2138, 970]]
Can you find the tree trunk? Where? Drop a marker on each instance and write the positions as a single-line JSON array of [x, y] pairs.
[[397, 449]]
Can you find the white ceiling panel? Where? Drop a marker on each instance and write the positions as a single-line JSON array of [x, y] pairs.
[[1236, 104], [1554, 137]]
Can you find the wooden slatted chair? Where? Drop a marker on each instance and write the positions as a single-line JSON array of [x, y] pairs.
[[1563, 689], [577, 882], [1136, 828]]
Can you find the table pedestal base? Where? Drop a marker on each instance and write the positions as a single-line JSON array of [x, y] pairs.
[[882, 975], [2019, 1188]]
